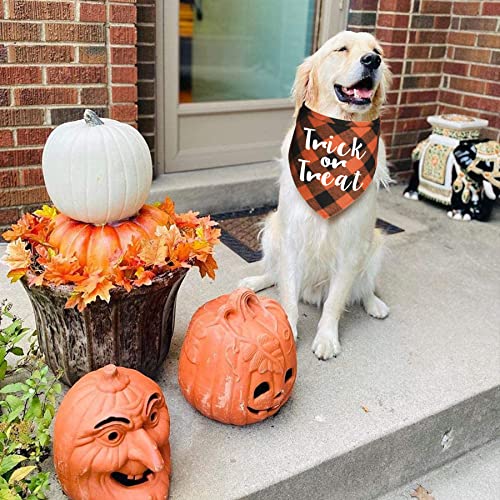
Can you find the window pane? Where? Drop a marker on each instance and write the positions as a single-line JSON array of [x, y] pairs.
[[244, 49]]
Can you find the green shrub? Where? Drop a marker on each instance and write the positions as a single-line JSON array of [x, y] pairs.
[[27, 407]]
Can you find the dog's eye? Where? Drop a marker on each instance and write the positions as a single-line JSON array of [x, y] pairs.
[[342, 49]]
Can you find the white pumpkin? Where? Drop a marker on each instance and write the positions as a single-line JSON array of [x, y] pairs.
[[97, 170]]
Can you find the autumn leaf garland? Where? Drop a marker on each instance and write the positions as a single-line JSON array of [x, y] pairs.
[[188, 241]]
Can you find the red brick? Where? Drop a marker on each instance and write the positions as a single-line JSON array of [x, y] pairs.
[[438, 51], [461, 38], [32, 136], [393, 20], [393, 5], [13, 75], [442, 22], [123, 35], [124, 94], [454, 98], [40, 54], [9, 177], [480, 102], [394, 51], [472, 55], [427, 67], [92, 12], [93, 54], [94, 95], [433, 7], [489, 41], [478, 24], [124, 113], [58, 32], [492, 89], [6, 139], [362, 5], [455, 68], [76, 74], [466, 8], [418, 52], [391, 35], [32, 177], [20, 157], [23, 32], [123, 55], [484, 72], [17, 117], [491, 9], [123, 14], [35, 96], [4, 97], [36, 10], [419, 96], [124, 74], [472, 86], [23, 196], [434, 37], [9, 215]]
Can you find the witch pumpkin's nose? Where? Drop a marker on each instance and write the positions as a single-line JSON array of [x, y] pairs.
[[144, 450], [371, 60]]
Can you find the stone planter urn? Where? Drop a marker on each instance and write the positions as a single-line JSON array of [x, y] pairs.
[[133, 330]]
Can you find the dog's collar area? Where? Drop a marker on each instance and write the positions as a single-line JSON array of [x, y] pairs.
[[359, 94], [328, 119]]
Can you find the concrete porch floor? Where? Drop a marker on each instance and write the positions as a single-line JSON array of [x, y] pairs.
[[432, 369]]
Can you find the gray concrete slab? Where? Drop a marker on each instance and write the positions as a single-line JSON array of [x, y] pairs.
[[431, 369], [473, 476]]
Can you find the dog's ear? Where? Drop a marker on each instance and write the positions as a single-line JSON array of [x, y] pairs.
[[304, 87]]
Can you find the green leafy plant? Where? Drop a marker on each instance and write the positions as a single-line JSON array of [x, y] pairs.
[[27, 407]]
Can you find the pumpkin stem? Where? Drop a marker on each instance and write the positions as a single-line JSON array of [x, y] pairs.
[[91, 118]]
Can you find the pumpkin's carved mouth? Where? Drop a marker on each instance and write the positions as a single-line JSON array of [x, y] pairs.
[[256, 412], [129, 481]]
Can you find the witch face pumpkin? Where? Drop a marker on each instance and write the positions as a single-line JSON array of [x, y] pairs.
[[238, 363], [111, 437]]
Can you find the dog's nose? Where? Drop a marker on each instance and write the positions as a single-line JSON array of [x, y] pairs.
[[371, 60]]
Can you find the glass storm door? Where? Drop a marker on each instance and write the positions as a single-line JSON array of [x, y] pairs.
[[225, 72]]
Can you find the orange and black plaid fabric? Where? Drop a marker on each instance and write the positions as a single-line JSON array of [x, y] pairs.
[[330, 200]]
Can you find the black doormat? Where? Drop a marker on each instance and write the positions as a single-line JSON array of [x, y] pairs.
[[240, 230]]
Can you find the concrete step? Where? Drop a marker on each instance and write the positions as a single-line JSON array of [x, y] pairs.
[[406, 395], [474, 476], [217, 190]]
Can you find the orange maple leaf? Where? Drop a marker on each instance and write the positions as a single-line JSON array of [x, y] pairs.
[[143, 277], [93, 286], [207, 267], [60, 270], [168, 206], [153, 252], [23, 226], [189, 219], [18, 258]]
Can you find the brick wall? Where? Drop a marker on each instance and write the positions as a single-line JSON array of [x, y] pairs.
[[56, 59], [146, 14], [471, 69]]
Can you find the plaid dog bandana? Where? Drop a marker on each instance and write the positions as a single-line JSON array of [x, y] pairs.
[[332, 161]]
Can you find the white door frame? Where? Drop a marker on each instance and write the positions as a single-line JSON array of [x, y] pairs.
[[331, 17]]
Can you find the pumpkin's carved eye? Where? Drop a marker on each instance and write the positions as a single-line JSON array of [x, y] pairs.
[[262, 388], [288, 374]]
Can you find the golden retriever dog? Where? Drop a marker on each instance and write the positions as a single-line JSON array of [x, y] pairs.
[[331, 261]]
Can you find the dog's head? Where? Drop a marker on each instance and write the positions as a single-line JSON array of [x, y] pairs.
[[347, 75]]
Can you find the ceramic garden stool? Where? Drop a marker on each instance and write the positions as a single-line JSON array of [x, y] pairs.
[[433, 157]]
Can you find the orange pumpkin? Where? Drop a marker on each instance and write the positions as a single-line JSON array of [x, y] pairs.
[[111, 437], [238, 363], [96, 245]]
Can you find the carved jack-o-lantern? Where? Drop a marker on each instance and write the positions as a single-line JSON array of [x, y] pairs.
[[111, 437], [238, 362]]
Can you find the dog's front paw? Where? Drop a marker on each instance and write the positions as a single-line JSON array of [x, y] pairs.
[[326, 346], [377, 308]]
